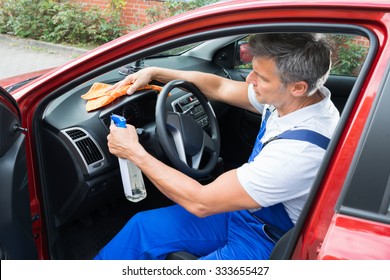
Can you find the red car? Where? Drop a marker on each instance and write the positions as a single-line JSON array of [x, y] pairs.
[[61, 191]]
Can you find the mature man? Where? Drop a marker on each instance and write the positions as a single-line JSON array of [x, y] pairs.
[[239, 215]]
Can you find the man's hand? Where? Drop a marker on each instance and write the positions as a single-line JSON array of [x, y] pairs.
[[123, 142], [136, 80]]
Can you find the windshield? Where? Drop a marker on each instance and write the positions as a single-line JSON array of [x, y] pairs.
[[177, 51]]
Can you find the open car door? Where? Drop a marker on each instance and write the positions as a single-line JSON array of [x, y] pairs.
[[16, 241]]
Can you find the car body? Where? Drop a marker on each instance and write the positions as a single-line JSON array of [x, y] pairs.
[[57, 204], [14, 82]]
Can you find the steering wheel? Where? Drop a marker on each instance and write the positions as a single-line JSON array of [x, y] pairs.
[[183, 140]]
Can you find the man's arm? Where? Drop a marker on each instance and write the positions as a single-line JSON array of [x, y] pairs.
[[212, 86], [222, 195]]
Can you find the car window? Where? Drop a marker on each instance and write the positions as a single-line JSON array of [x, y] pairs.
[[177, 51], [349, 54]]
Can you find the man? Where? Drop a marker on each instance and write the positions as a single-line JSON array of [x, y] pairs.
[[242, 212]]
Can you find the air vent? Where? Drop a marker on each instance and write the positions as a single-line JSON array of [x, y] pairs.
[[75, 134], [89, 150]]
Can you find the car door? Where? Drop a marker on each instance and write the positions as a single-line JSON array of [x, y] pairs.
[[360, 228], [16, 240]]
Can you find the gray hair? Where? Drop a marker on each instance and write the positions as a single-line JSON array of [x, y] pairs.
[[298, 56]]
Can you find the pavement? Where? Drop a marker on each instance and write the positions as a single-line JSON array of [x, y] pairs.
[[20, 56]]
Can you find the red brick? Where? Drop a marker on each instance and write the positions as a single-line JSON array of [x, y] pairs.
[[133, 12]]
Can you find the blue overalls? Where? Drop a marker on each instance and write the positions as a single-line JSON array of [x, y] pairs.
[[238, 235]]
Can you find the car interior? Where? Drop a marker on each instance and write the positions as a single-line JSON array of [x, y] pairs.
[[82, 191]]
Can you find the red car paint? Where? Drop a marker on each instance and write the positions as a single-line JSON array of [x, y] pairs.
[[20, 78]]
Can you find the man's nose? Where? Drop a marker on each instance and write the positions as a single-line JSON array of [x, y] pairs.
[[249, 78]]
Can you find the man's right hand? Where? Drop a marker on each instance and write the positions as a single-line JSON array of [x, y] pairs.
[[136, 80]]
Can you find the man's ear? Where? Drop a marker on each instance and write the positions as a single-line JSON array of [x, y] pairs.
[[299, 88]]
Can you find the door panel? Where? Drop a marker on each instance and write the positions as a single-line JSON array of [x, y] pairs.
[[16, 240]]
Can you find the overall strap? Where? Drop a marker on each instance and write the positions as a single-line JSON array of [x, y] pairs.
[[258, 144], [275, 218], [303, 135]]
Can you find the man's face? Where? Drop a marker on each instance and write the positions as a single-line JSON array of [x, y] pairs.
[[266, 83]]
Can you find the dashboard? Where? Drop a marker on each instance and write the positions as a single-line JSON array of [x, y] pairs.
[[138, 110]]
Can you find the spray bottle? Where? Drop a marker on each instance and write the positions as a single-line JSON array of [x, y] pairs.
[[133, 182]]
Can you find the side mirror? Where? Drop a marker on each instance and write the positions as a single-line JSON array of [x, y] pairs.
[[245, 54]]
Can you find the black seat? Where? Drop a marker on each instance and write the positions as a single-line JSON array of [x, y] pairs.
[[181, 255], [279, 251]]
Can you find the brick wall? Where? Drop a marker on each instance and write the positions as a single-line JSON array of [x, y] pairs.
[[133, 13], [362, 41]]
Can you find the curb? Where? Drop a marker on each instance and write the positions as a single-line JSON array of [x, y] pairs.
[[50, 47]]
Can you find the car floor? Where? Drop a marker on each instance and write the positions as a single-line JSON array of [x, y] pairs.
[[82, 239]]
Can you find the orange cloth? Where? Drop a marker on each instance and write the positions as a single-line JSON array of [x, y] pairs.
[[98, 96]]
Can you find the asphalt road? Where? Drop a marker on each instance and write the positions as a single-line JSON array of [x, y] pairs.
[[19, 56]]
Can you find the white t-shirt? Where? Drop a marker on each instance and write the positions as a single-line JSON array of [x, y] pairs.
[[285, 169]]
